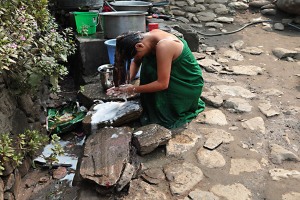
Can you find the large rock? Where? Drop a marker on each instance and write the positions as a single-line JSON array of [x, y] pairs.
[[149, 137], [105, 155], [111, 114], [289, 6]]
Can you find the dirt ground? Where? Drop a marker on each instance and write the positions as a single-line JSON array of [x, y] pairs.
[[283, 129]]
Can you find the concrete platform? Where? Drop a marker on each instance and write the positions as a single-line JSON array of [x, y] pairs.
[[90, 54]]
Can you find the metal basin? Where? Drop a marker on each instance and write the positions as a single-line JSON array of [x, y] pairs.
[[116, 23], [131, 5]]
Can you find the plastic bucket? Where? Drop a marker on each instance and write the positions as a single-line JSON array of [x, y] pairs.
[[86, 22], [111, 48]]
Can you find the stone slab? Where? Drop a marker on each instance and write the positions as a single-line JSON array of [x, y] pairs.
[[105, 154]]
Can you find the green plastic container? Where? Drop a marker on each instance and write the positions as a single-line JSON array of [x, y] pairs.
[[86, 22]]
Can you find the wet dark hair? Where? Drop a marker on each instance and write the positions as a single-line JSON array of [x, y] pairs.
[[125, 51], [126, 43]]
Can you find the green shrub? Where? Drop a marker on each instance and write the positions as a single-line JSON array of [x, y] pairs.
[[27, 144], [32, 47]]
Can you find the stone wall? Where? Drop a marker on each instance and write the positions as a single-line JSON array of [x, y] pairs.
[[18, 113]]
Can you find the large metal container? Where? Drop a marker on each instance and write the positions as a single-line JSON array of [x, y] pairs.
[[76, 4], [116, 23], [131, 5]]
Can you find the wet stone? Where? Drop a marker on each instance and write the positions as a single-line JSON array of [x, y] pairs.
[[142, 190], [272, 92], [215, 117], [259, 3], [178, 12], [210, 65], [106, 153], [212, 98], [153, 175], [9, 196], [205, 16], [9, 181], [126, 176], [233, 55], [235, 191], [267, 109], [233, 91], [182, 177], [30, 183], [59, 173], [279, 26], [249, 70], [238, 5], [268, 12], [148, 138], [284, 53], [201, 195], [256, 124], [214, 24], [215, 137], [216, 5], [280, 154], [193, 9], [16, 186], [181, 3], [224, 19], [278, 174], [243, 165], [291, 110], [237, 45], [182, 142], [95, 92], [291, 196], [210, 159], [221, 11], [252, 50], [111, 114], [238, 104]]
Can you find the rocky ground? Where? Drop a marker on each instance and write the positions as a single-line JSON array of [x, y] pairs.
[[245, 145]]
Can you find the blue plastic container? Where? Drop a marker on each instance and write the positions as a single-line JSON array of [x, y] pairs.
[[111, 49]]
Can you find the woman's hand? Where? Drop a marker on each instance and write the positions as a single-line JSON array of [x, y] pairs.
[[127, 89]]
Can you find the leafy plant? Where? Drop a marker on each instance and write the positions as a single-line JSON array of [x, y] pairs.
[[32, 47], [14, 150], [26, 144], [57, 150]]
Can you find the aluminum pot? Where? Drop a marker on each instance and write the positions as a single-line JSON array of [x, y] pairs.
[[131, 5], [116, 23], [106, 76], [83, 4]]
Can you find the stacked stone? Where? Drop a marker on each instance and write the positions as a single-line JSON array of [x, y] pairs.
[[215, 13], [10, 181], [17, 113]]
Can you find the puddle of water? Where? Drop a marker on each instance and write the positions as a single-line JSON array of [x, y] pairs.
[[68, 158]]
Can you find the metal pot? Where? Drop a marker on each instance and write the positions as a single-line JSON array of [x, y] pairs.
[[116, 23], [131, 5], [106, 76], [75, 4]]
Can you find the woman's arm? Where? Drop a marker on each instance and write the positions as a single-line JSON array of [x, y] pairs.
[[165, 52]]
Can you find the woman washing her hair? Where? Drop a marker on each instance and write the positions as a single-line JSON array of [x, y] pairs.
[[170, 79]]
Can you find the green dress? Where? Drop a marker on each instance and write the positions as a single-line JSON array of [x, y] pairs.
[[181, 102]]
